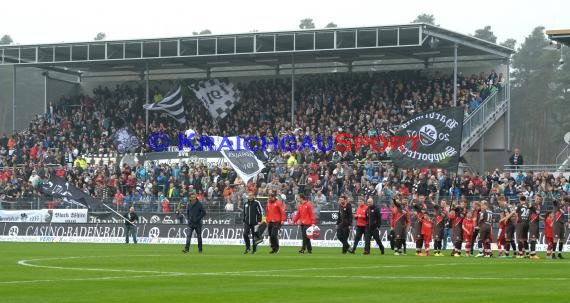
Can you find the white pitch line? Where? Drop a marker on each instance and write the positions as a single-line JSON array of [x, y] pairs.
[[338, 268], [28, 264], [262, 273], [396, 277], [84, 279]]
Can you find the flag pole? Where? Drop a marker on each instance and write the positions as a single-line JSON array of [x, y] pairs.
[[119, 215]]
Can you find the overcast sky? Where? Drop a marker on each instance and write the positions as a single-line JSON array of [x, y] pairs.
[[41, 21]]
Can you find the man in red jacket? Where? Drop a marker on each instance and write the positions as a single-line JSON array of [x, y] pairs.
[[360, 217], [305, 216], [275, 216]]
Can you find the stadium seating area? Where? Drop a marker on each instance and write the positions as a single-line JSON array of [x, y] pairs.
[[367, 104]]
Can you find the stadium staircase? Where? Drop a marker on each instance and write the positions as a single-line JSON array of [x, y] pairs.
[[564, 156], [483, 118]]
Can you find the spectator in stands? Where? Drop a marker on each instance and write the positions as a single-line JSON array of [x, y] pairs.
[[516, 159], [371, 104], [119, 200]]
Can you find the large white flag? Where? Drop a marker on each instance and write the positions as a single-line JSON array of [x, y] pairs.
[[218, 97], [244, 162]]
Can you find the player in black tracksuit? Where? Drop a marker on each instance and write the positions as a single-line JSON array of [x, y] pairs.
[[417, 218], [372, 227], [523, 215], [438, 230], [343, 223], [252, 216], [559, 225]]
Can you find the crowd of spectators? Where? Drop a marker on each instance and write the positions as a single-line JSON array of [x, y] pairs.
[[359, 103]]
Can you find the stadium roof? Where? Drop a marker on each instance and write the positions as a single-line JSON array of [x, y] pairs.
[[559, 35], [380, 45]]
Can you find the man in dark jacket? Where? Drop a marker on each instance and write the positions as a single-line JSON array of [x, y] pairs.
[[252, 216], [372, 227], [516, 159], [130, 227], [344, 222], [194, 212]]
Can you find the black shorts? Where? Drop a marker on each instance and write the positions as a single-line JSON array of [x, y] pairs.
[[533, 230], [400, 232], [509, 232], [438, 234], [485, 232], [559, 232], [457, 235], [522, 231]]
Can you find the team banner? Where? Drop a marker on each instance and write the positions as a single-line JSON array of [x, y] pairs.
[[72, 195], [218, 97], [166, 218], [45, 216], [440, 142], [125, 140], [24, 216], [245, 163], [208, 158]]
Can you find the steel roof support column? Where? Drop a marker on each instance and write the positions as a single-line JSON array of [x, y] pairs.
[[45, 91], [293, 91], [14, 98], [147, 93], [455, 75]]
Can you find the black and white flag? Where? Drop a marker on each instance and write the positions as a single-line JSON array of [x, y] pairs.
[[218, 97], [440, 144], [245, 163], [172, 105], [60, 188]]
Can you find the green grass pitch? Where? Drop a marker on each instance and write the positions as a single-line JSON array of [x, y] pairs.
[[58, 272]]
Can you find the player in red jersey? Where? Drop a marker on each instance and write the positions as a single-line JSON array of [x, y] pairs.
[[468, 227], [548, 233], [475, 216], [426, 231], [501, 239]]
